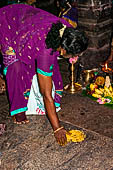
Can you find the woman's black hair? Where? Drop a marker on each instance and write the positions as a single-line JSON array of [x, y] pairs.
[[53, 39], [73, 40]]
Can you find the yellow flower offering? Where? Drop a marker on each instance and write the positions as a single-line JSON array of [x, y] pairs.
[[100, 80], [96, 95], [75, 136], [98, 91], [93, 86]]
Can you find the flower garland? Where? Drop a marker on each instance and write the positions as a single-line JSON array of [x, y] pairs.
[[73, 60]]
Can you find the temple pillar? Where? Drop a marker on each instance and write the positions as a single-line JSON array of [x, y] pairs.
[[96, 20]]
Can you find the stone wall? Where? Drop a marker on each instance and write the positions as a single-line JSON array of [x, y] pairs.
[[95, 19]]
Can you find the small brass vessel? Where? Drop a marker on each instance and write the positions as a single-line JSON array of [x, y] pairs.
[[88, 75]]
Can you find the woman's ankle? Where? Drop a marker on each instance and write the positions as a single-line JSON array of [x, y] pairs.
[[20, 117]]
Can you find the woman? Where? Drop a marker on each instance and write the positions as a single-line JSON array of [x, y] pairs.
[[29, 2], [67, 10], [32, 38]]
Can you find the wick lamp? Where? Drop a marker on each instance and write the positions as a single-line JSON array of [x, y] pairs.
[[73, 87]]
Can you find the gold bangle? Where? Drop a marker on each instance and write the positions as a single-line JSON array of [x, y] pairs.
[[58, 129]]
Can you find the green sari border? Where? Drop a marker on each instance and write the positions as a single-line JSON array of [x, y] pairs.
[[5, 71], [57, 104], [19, 111], [44, 73], [59, 92]]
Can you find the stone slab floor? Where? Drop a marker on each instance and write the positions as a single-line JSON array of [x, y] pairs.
[[33, 146]]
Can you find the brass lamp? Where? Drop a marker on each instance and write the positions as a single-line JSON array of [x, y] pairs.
[[73, 87]]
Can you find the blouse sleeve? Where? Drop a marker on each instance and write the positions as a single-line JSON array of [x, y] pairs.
[[45, 62]]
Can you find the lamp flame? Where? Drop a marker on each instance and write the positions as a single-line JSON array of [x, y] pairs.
[[106, 66]]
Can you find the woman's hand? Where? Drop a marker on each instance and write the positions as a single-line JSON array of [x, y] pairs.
[[61, 137], [45, 84]]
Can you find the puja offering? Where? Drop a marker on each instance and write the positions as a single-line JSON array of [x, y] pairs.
[[75, 136], [101, 90]]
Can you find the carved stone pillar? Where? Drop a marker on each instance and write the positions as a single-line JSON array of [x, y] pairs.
[[95, 19]]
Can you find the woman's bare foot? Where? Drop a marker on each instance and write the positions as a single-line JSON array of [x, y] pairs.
[[25, 121], [19, 123]]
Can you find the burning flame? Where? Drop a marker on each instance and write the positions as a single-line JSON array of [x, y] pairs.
[[106, 66]]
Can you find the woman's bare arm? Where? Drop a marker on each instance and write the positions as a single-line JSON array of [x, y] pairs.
[[45, 84]]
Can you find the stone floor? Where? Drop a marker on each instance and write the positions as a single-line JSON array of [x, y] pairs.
[[33, 147]]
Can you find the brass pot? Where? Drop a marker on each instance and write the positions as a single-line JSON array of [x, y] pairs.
[[88, 75]]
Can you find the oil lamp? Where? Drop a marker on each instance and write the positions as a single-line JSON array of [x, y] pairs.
[[106, 68], [73, 87], [108, 71]]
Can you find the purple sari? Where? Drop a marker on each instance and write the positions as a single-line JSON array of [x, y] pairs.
[[23, 30]]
